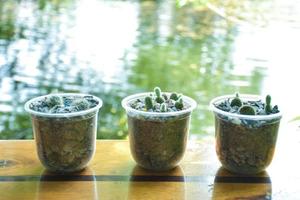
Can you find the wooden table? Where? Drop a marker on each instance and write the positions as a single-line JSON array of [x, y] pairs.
[[112, 174]]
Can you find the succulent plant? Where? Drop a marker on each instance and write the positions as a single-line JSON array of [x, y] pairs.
[[179, 104], [247, 110], [163, 107], [53, 101], [81, 104], [237, 105], [159, 98], [236, 101], [174, 96], [268, 107], [179, 96], [63, 104], [157, 91], [157, 101], [148, 103]]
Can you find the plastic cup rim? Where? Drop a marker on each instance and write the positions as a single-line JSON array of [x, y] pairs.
[[58, 115], [125, 104], [213, 108]]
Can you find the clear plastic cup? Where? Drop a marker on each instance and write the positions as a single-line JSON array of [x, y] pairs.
[[157, 140], [245, 144], [65, 141]]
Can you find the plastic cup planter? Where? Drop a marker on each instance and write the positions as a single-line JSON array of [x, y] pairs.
[[157, 139], [245, 143], [65, 141]]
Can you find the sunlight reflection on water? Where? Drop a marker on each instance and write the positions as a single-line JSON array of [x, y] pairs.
[[112, 49]]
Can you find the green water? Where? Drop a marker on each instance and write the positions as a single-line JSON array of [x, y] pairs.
[[112, 49]]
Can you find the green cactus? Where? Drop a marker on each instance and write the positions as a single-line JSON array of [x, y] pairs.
[[179, 104], [163, 108], [174, 96], [157, 91], [268, 107], [247, 110], [159, 100], [165, 97], [81, 104], [180, 100], [53, 101], [148, 103], [236, 101]]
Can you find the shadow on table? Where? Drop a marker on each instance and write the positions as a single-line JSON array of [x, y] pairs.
[[156, 185], [232, 186], [83, 184]]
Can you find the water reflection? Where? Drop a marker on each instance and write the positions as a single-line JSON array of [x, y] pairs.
[[47, 186], [152, 189], [231, 186], [114, 48]]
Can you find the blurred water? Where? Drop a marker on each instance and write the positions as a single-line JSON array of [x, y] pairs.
[[115, 48]]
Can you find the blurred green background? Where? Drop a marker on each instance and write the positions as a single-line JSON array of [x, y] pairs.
[[116, 48]]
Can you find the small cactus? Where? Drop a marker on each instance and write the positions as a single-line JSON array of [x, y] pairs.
[[179, 104], [180, 100], [157, 91], [81, 104], [159, 100], [163, 108], [247, 110], [268, 107], [275, 109], [165, 97], [236, 101], [54, 100], [174, 96], [148, 103], [247, 106]]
